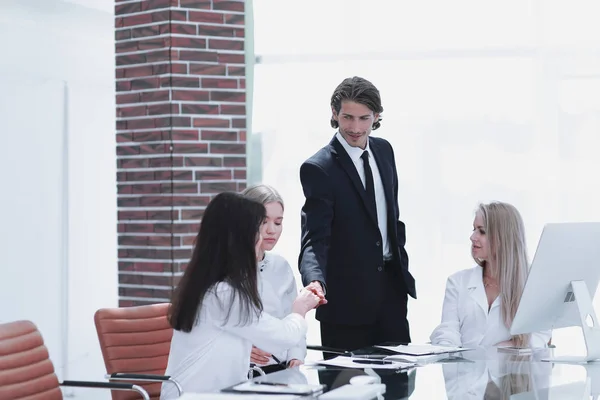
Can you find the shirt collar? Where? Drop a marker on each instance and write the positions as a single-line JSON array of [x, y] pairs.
[[265, 261], [353, 152], [476, 278]]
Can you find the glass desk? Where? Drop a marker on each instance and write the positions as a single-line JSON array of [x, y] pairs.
[[477, 375]]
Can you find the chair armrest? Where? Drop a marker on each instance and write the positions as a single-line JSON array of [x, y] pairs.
[[145, 377], [255, 368], [108, 385], [123, 376]]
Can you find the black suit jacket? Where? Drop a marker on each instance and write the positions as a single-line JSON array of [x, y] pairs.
[[341, 241]]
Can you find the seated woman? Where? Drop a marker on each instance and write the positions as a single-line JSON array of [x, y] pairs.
[[481, 302], [216, 312], [277, 285]]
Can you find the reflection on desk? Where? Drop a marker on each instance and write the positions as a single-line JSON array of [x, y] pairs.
[[476, 375], [399, 384], [494, 376]]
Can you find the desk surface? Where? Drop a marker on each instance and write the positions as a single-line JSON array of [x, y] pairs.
[[478, 375]]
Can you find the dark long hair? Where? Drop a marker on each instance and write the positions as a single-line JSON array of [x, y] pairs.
[[225, 251], [358, 90]]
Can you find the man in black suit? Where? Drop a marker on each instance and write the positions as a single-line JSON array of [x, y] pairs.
[[352, 239]]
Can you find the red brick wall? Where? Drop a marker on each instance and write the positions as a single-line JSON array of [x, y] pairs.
[[181, 131]]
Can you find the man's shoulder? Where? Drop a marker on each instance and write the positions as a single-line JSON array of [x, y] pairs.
[[381, 142], [321, 158]]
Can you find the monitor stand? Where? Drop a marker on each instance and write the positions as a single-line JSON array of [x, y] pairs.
[[593, 374], [589, 326]]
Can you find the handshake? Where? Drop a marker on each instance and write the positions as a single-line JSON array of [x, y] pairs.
[[309, 297]]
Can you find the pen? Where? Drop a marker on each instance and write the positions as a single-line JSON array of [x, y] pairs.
[[373, 356], [378, 362], [275, 359], [271, 384]]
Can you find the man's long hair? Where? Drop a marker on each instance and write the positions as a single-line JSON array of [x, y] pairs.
[[358, 90]]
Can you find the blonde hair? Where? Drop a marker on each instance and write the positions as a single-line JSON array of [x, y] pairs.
[[505, 231], [264, 194], [516, 376]]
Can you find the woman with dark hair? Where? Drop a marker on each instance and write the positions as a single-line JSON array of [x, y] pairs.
[[216, 311]]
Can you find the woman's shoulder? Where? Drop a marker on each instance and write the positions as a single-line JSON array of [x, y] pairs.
[[220, 295], [220, 289], [276, 259], [465, 274]]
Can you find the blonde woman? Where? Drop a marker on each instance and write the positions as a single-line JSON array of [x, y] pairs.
[[481, 302], [277, 285]]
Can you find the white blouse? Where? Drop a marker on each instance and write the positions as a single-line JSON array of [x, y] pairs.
[[466, 320], [278, 291], [216, 353]]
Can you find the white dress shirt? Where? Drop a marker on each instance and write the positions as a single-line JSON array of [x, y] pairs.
[[355, 153], [466, 320], [216, 353], [278, 291]]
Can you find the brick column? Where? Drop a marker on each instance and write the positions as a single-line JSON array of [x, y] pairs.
[[181, 131]]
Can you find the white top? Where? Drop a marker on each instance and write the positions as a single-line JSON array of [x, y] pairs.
[[216, 353], [466, 320], [355, 153], [278, 291]]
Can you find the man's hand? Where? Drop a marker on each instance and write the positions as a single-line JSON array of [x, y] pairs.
[[316, 288], [259, 357], [294, 363]]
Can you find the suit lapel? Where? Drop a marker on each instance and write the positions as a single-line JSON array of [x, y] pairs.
[[386, 176], [476, 289], [348, 166]]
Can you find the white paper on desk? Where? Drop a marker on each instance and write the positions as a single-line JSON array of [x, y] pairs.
[[420, 360], [422, 349], [347, 362], [288, 388], [234, 396]]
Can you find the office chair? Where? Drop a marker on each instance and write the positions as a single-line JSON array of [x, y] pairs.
[[26, 371], [135, 344]]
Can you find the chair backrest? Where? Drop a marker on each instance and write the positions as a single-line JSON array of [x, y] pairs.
[[135, 340], [25, 368]]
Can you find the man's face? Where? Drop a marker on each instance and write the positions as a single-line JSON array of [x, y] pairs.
[[356, 121]]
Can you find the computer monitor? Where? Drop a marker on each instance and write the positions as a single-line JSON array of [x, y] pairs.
[[561, 284]]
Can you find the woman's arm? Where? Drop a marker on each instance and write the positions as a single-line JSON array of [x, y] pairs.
[[264, 331], [297, 352], [448, 331]]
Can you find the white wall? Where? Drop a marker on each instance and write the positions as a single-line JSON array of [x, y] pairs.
[[475, 112], [59, 242]]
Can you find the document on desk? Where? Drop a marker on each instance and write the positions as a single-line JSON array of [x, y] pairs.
[[277, 388], [418, 350], [362, 363], [236, 396]]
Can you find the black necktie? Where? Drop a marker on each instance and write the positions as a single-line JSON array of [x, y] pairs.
[[369, 184]]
